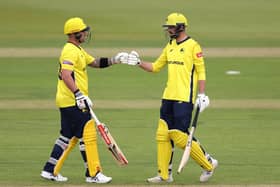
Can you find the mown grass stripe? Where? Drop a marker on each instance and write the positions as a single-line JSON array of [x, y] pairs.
[[143, 104], [148, 52]]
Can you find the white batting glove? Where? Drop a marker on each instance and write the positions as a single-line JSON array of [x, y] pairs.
[[202, 101], [133, 58], [82, 101], [120, 58]]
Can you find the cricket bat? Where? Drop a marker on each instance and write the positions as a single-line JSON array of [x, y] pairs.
[[109, 140], [187, 151]]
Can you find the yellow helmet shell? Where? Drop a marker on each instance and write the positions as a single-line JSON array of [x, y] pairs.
[[175, 19], [74, 25]]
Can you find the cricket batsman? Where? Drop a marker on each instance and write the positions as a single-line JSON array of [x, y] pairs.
[[72, 99], [186, 76]]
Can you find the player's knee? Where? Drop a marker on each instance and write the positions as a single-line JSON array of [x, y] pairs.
[[178, 137], [72, 142], [62, 142], [82, 145], [162, 131], [89, 132]]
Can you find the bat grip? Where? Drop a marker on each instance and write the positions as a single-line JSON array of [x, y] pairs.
[[92, 114]]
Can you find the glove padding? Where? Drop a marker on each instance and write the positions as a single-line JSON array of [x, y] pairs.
[[202, 101], [120, 58], [82, 101], [133, 59]]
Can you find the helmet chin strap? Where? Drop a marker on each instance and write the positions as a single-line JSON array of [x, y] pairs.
[[174, 36]]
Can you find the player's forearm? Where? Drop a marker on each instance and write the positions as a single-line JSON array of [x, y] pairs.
[[71, 84], [101, 63], [68, 80], [147, 66], [201, 86]]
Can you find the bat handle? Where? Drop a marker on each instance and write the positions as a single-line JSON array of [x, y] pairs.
[[93, 116]]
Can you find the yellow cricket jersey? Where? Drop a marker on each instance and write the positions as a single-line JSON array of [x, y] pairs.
[[185, 67], [76, 59]]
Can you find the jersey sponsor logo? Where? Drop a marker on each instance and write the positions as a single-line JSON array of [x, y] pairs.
[[176, 62], [199, 55]]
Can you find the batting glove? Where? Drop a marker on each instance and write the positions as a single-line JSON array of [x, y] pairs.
[[82, 101], [202, 101], [120, 58], [133, 58]]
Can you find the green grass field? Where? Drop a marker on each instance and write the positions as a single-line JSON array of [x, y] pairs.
[[238, 23], [233, 136], [244, 139]]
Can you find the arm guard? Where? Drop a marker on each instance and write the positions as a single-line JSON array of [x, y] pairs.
[[104, 62]]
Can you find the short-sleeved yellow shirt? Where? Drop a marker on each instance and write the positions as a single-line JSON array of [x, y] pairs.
[[185, 67], [76, 59]]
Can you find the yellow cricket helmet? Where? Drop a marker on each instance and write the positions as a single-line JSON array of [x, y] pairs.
[[74, 25], [175, 19]]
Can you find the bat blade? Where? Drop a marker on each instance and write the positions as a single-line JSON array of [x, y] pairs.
[[187, 151], [111, 144], [109, 140], [119, 156], [186, 154]]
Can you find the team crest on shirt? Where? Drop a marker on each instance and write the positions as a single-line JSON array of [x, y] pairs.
[[182, 50]]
